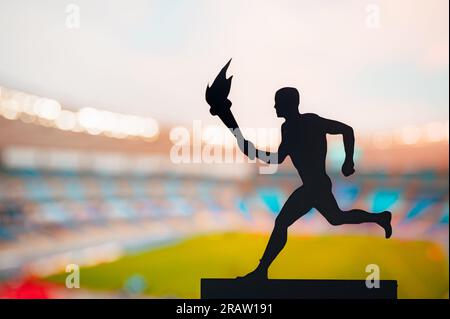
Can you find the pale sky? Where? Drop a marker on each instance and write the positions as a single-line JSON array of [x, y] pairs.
[[154, 58]]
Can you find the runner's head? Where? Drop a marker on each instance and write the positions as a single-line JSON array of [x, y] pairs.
[[287, 100]]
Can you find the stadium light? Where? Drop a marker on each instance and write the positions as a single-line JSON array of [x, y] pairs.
[[49, 113], [47, 109], [150, 128], [66, 120], [10, 109], [89, 118], [436, 131], [410, 134]]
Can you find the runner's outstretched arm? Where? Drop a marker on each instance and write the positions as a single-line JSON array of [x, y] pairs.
[[249, 149]]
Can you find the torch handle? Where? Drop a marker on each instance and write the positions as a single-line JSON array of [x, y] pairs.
[[228, 119]]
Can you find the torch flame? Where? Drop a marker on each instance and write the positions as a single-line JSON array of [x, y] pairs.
[[217, 94]]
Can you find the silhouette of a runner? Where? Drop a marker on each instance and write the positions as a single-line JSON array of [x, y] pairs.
[[304, 140]]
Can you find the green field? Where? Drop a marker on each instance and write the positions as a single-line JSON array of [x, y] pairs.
[[421, 268]]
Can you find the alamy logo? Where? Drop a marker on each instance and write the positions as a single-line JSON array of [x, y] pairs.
[[373, 16], [73, 279], [73, 16], [373, 279]]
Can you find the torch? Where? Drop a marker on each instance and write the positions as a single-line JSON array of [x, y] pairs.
[[217, 97]]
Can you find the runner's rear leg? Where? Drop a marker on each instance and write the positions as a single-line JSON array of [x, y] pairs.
[[297, 205]]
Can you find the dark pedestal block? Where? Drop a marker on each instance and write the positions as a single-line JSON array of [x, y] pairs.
[[295, 289]]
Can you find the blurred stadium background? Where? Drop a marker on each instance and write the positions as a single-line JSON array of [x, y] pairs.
[[96, 187], [68, 196]]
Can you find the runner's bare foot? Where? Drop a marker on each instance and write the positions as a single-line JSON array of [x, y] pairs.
[[255, 275], [386, 223]]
